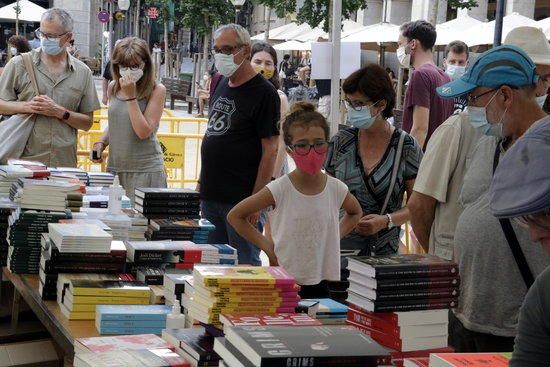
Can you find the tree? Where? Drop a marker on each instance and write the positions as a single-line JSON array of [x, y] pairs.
[[454, 4], [282, 10], [165, 16]]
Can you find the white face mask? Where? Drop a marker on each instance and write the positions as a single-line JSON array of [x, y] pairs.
[[541, 100], [403, 57], [135, 74], [205, 78], [226, 64], [455, 71]]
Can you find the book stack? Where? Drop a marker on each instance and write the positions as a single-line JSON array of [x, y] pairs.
[[243, 289], [10, 174], [278, 319], [98, 197], [168, 203], [120, 342], [119, 223], [329, 312], [209, 254], [80, 238], [54, 262], [82, 296], [62, 281], [100, 179], [157, 254], [138, 225], [50, 195], [78, 173], [25, 238], [470, 359], [196, 230], [195, 345], [174, 286], [299, 346], [6, 209], [129, 320], [127, 358]]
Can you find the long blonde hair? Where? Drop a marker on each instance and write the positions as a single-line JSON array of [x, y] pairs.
[[132, 51]]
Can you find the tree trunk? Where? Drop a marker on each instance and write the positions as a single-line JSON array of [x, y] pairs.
[[267, 22], [205, 46], [166, 51], [136, 25], [17, 10]]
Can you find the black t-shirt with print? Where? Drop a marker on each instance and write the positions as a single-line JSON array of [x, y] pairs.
[[461, 102], [231, 150]]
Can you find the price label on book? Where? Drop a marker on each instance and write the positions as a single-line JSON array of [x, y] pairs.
[[172, 148]]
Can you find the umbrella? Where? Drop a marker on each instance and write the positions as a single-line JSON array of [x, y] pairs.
[[29, 12], [292, 33], [483, 34], [293, 46], [454, 29], [348, 27], [545, 25], [377, 33], [275, 31]]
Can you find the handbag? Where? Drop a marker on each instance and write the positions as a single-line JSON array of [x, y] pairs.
[[15, 131]]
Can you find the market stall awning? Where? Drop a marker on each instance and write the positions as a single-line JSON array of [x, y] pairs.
[[545, 25], [455, 29], [483, 34], [377, 33], [29, 12], [275, 31], [293, 46], [348, 27]]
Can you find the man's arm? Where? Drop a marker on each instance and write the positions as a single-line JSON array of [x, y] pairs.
[[47, 107], [104, 86], [422, 212], [421, 120], [267, 164]]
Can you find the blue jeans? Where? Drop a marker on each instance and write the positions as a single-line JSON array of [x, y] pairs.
[[216, 213]]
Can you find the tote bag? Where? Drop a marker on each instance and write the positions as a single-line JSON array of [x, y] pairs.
[[15, 131]]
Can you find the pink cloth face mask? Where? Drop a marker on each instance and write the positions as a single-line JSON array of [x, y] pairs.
[[310, 163]]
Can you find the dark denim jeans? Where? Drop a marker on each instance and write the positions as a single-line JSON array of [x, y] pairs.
[[216, 213]]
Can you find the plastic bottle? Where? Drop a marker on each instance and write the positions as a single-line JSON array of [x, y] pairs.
[[115, 197], [175, 320], [119, 222]]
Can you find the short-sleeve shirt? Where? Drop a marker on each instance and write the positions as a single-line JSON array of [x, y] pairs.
[[306, 230], [421, 92], [344, 163], [532, 344], [52, 142], [239, 118], [441, 176]]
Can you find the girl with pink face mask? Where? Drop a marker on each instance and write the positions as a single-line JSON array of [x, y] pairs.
[[305, 224]]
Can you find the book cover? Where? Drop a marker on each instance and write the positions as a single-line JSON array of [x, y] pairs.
[[229, 354], [122, 342], [402, 305], [329, 307], [398, 357], [403, 294], [160, 251], [129, 330], [153, 357], [132, 312], [242, 275], [402, 266], [281, 319], [306, 346], [104, 300], [166, 193], [116, 255], [196, 342], [416, 362], [130, 324], [176, 283], [82, 287], [469, 359], [168, 203]]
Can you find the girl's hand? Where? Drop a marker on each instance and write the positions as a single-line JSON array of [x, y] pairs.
[[128, 86], [270, 252], [99, 147], [372, 224]]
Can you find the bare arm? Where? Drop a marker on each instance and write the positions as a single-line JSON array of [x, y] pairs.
[[238, 218], [281, 153], [269, 155], [351, 217], [13, 108], [46, 106], [421, 120], [403, 215], [144, 124], [104, 88], [422, 211]]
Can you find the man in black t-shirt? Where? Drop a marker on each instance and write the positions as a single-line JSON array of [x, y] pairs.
[[240, 145]]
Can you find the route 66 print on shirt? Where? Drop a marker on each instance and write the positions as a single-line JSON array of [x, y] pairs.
[[219, 121]]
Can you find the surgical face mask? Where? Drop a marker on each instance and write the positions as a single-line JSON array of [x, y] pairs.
[[266, 73], [455, 71], [404, 57], [205, 78], [478, 119], [51, 46], [541, 100], [13, 51], [226, 64], [361, 119], [136, 74]]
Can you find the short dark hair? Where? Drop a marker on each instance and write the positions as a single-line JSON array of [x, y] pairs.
[[266, 47], [20, 43], [374, 82], [286, 57], [420, 30], [303, 114], [457, 47]]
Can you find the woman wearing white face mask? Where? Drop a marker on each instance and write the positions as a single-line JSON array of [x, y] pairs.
[[136, 102], [375, 160]]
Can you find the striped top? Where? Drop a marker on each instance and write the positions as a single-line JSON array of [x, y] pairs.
[[344, 163]]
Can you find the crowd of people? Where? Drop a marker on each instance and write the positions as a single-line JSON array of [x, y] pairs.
[[470, 156]]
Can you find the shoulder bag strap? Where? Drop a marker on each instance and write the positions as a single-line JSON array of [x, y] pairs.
[[396, 164], [27, 61], [512, 239]]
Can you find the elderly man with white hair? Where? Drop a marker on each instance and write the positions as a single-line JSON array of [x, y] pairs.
[[239, 149], [67, 97]]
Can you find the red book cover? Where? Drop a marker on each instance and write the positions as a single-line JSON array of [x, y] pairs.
[[417, 362], [398, 357], [369, 320], [124, 342], [471, 359], [384, 339], [184, 265], [191, 252], [281, 319]]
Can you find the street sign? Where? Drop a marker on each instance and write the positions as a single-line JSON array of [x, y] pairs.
[[103, 16], [152, 13]]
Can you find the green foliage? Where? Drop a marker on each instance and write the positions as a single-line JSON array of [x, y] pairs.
[[281, 7], [462, 4], [201, 15], [163, 8]]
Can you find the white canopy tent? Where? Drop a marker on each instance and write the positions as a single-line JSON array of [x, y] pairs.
[[483, 34], [29, 12], [348, 27], [291, 34], [545, 25], [275, 31], [293, 46], [454, 29], [379, 34]]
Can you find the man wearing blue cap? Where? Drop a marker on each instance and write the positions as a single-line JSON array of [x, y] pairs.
[[501, 105], [521, 190]]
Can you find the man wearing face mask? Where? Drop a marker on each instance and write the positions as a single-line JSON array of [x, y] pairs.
[[67, 93], [239, 149], [455, 62], [423, 110], [501, 104], [533, 41]]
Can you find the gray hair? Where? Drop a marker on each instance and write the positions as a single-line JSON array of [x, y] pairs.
[[243, 37], [61, 16]]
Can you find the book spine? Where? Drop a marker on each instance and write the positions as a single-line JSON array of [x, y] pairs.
[[325, 361], [84, 268], [133, 323], [56, 256], [109, 300], [416, 271], [415, 305], [106, 292], [152, 196], [168, 210], [195, 204], [372, 322], [130, 331], [417, 283], [384, 339], [156, 256], [389, 317], [116, 317], [435, 293]]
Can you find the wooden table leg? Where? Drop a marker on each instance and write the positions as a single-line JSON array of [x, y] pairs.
[[15, 310]]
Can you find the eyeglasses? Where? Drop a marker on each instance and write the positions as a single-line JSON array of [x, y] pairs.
[[357, 105], [320, 147], [39, 34], [133, 68], [226, 50], [472, 99], [540, 219]]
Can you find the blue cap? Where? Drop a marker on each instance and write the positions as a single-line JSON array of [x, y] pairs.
[[521, 183], [502, 65]]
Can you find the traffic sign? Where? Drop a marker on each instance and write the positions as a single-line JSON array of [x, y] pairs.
[[103, 16], [152, 13]]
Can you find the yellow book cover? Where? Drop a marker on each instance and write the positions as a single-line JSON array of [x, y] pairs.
[[84, 287], [77, 315], [79, 307], [100, 300], [269, 276]]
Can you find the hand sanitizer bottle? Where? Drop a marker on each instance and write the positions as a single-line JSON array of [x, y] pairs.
[[115, 197], [175, 320], [119, 222]]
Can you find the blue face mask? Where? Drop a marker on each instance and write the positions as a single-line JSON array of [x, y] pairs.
[[455, 71], [51, 46], [361, 119], [478, 119]]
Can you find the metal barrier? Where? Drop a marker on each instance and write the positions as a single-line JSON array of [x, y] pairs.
[[175, 123]]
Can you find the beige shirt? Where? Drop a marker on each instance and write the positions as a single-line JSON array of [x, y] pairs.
[[52, 142], [441, 176]]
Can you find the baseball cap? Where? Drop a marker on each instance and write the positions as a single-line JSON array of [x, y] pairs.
[[533, 41], [502, 65], [521, 183]]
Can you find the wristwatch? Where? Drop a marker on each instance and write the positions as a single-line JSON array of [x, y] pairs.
[[66, 115], [391, 224]]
